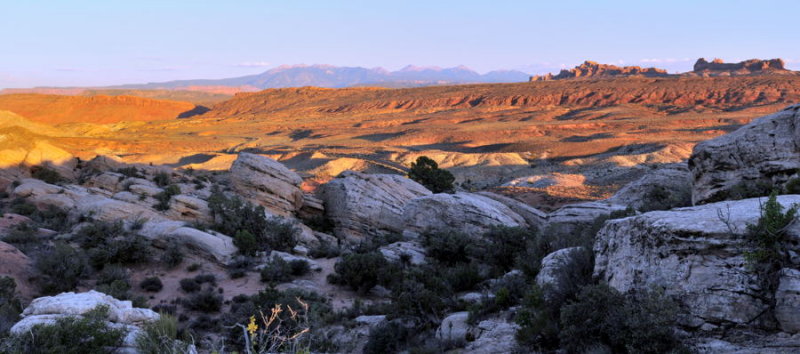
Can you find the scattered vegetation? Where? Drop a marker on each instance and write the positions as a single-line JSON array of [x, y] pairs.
[[46, 174], [427, 173], [72, 335], [660, 198], [151, 284], [165, 196], [768, 239], [234, 216], [62, 268]]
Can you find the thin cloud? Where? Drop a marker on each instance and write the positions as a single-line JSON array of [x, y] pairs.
[[254, 64]]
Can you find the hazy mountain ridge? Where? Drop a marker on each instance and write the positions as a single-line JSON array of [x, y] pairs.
[[337, 77]]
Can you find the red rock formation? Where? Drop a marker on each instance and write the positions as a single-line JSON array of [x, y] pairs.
[[748, 67], [594, 69]]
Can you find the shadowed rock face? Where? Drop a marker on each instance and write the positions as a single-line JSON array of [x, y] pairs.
[[744, 67], [766, 151]]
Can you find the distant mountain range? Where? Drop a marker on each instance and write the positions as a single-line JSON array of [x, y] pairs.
[[336, 76]]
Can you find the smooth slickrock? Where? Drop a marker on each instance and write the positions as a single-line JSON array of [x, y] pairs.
[[362, 205], [465, 212], [454, 327], [188, 208], [534, 217], [267, 182]]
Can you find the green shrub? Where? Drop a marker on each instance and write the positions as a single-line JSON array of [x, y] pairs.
[[189, 285], [162, 179], [193, 267], [233, 215], [22, 207], [22, 234], [325, 250], [768, 240], [246, 243], [427, 173], [206, 278], [161, 337], [131, 171], [503, 245], [61, 269], [299, 267], [204, 301], [125, 249], [172, 256], [361, 271], [768, 235], [450, 246], [422, 297], [46, 174], [151, 284], [276, 270], [661, 198], [109, 243], [165, 196], [10, 304], [88, 334], [637, 323], [387, 337]]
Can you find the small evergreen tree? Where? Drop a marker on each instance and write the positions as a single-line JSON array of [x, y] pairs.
[[427, 172]]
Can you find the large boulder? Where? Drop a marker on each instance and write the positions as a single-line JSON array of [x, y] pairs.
[[696, 254], [766, 151], [659, 189], [267, 182], [121, 314], [553, 266], [465, 212], [362, 205], [494, 336]]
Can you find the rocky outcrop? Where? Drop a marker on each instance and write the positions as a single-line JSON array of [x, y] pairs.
[[534, 217], [267, 182], [121, 314], [696, 254], [454, 327], [82, 202], [188, 208], [553, 266], [718, 67], [409, 251], [362, 205], [465, 212], [787, 300], [594, 69], [656, 188], [573, 217], [493, 336], [764, 152]]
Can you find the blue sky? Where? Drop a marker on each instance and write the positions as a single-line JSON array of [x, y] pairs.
[[82, 42]]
